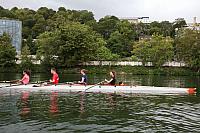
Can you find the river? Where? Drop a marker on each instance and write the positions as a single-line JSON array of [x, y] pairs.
[[63, 112]]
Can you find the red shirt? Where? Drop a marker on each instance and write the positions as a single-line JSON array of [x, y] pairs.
[[55, 79]]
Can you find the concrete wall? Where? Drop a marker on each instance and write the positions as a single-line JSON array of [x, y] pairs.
[[130, 63]]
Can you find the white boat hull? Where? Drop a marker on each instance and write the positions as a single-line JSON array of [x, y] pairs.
[[100, 89]]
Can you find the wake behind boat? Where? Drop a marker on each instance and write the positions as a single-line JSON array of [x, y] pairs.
[[101, 89]]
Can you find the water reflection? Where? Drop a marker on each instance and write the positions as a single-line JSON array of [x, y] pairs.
[[88, 112], [54, 103], [82, 102], [112, 99], [25, 109]]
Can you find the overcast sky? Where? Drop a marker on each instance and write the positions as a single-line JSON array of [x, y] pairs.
[[159, 10]]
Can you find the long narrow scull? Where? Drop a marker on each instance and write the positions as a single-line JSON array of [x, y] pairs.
[[103, 89]]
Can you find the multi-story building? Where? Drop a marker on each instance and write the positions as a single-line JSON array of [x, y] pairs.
[[14, 29]]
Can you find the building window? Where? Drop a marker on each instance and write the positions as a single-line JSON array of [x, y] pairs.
[[14, 29]]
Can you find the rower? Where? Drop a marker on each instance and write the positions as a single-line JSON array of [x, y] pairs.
[[55, 78], [26, 78], [84, 77], [112, 80]]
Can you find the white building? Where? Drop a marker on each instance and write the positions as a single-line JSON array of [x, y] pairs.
[[137, 20], [195, 25]]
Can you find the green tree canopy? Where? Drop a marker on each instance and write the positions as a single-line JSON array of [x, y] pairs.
[[5, 13], [69, 45], [157, 50], [179, 23], [26, 59], [120, 41], [103, 53], [164, 28], [107, 25], [7, 52], [188, 48], [141, 30]]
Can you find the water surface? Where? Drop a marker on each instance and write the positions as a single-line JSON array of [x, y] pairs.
[[87, 112]]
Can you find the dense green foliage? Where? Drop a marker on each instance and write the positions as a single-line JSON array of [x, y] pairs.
[[157, 50], [120, 41], [104, 53], [26, 59], [7, 52], [179, 23], [188, 48], [68, 37], [72, 44], [164, 28]]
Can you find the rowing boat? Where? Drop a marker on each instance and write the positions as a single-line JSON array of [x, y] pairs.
[[101, 89]]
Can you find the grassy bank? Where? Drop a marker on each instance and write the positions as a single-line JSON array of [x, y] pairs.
[[176, 71]]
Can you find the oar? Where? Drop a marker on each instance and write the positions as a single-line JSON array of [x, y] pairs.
[[71, 83], [10, 85], [4, 81], [39, 82], [11, 81], [94, 85]]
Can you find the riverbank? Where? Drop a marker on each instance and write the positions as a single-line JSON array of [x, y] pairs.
[[140, 70], [136, 70]]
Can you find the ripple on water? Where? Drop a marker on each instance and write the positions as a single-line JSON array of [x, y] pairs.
[[56, 112]]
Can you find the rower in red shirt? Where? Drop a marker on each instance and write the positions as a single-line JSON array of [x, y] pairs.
[[55, 78]]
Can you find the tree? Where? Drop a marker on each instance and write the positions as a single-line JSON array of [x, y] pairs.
[[141, 30], [85, 16], [5, 13], [61, 17], [40, 25], [141, 51], [48, 45], [120, 41], [157, 50], [45, 12], [188, 48], [167, 29], [62, 9], [107, 25], [104, 53], [70, 44], [155, 28], [31, 45], [26, 59], [164, 28], [27, 17], [179, 23], [7, 52]]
